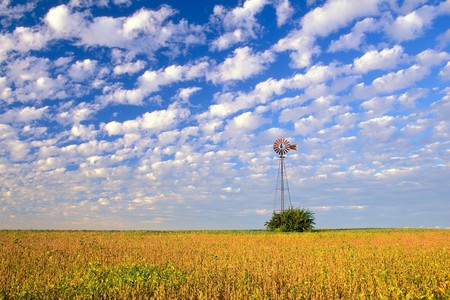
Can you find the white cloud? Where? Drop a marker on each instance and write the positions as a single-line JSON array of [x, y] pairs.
[[129, 68], [415, 128], [443, 39], [146, 21], [120, 96], [378, 106], [363, 118], [323, 20], [25, 114], [65, 23], [5, 89], [83, 132], [31, 113], [101, 3], [244, 122], [390, 174], [320, 22], [153, 122], [81, 70], [151, 81], [398, 80], [411, 26], [12, 11], [29, 39], [354, 39], [378, 129], [284, 11], [242, 65], [445, 72], [239, 23], [406, 7], [430, 57], [379, 60], [145, 31], [81, 112], [307, 125], [163, 119], [185, 93], [6, 131], [18, 150]]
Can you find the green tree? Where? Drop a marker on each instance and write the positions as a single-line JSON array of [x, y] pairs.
[[292, 219]]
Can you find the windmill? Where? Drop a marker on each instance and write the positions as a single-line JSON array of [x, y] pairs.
[[282, 147]]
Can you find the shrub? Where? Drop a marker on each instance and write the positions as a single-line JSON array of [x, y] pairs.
[[292, 219]]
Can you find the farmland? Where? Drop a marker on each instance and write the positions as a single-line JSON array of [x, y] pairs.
[[331, 264]]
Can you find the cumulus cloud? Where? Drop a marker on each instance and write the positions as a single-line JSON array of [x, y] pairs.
[[6, 131], [25, 114], [11, 11], [151, 81], [244, 122], [445, 72], [378, 129], [83, 132], [392, 81], [400, 79], [81, 70], [412, 25], [64, 23], [151, 28], [101, 3], [153, 122], [144, 95], [443, 40], [320, 22], [240, 23], [284, 11], [18, 150], [354, 39], [185, 93], [242, 65], [129, 68], [379, 60]]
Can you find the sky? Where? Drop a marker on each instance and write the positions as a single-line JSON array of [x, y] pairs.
[[161, 115]]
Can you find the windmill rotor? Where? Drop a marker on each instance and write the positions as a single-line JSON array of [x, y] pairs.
[[282, 146]]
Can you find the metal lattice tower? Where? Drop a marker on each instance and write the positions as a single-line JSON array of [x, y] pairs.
[[282, 147]]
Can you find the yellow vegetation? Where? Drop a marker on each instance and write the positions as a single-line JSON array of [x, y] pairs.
[[338, 264]]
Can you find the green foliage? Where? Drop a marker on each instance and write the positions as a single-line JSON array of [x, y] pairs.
[[292, 219]]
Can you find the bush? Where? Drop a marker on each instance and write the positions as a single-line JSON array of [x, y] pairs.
[[292, 219]]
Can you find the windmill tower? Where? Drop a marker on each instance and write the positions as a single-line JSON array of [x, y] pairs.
[[282, 147]]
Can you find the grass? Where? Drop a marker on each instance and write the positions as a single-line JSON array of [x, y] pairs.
[[325, 264]]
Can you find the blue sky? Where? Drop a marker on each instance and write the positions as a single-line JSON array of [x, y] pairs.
[[161, 115]]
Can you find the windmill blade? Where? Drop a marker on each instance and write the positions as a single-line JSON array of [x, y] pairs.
[[282, 146]]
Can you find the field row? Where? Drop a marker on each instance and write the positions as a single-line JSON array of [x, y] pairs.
[[347, 264]]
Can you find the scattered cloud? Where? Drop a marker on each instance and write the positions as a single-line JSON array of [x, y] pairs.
[[385, 59], [242, 65], [240, 24], [156, 116], [319, 23]]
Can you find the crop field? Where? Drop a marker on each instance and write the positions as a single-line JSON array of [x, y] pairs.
[[330, 264]]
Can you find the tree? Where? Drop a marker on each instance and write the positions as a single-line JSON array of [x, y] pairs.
[[292, 219]]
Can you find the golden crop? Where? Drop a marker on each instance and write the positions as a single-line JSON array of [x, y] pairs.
[[339, 264]]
